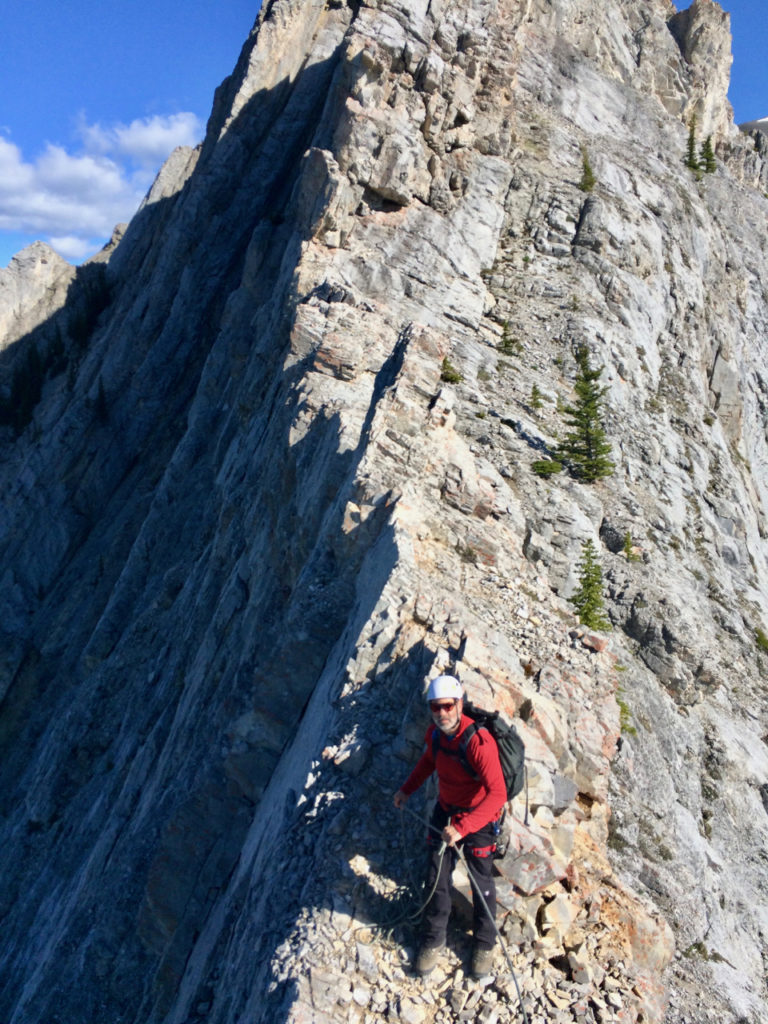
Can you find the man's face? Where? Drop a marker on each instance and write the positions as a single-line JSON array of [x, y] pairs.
[[446, 714]]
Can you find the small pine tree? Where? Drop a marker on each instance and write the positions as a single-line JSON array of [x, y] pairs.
[[691, 160], [707, 156], [449, 373], [588, 180], [585, 447], [508, 345], [588, 599], [629, 548], [536, 399], [546, 468]]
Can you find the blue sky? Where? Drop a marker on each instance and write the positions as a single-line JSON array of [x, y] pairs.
[[94, 95], [749, 73]]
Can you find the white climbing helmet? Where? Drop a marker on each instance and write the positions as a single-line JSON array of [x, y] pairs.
[[445, 687]]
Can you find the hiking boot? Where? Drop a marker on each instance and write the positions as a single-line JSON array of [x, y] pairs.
[[482, 962], [427, 958]]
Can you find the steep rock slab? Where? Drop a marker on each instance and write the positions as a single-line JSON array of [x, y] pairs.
[[260, 519]]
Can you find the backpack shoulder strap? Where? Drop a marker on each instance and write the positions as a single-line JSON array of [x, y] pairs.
[[463, 751], [466, 737], [474, 729]]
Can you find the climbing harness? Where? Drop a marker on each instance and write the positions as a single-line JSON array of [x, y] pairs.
[[483, 903]]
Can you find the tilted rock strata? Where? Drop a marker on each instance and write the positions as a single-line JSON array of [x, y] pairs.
[[250, 518]]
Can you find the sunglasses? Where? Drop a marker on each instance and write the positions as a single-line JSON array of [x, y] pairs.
[[435, 706]]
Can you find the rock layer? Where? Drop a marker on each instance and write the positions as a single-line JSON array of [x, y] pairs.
[[276, 471]]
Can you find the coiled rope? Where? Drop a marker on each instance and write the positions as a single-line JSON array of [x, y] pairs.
[[412, 915], [478, 894], [409, 915]]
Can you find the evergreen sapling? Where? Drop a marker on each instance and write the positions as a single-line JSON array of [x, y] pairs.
[[585, 447], [588, 599], [707, 157], [588, 180], [691, 160]]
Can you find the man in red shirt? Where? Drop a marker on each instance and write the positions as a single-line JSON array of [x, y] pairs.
[[467, 809]]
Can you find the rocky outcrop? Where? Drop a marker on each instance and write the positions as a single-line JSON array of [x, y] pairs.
[[32, 288], [279, 468], [703, 33]]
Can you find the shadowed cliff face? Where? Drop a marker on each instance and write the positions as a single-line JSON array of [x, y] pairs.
[[245, 515]]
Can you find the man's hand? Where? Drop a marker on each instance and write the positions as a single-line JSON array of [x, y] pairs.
[[451, 835], [400, 799]]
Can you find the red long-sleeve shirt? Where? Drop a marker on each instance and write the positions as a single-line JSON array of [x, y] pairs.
[[484, 797]]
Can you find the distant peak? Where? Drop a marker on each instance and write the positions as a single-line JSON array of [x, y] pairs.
[[760, 125], [34, 254]]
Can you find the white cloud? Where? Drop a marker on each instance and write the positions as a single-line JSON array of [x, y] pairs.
[[14, 175], [73, 200], [71, 247], [146, 141]]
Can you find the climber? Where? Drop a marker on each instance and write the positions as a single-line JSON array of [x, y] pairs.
[[465, 814]]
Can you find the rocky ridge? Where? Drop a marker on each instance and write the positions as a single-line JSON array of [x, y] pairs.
[[248, 517]]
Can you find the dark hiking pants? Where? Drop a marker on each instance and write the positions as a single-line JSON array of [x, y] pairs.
[[477, 848]]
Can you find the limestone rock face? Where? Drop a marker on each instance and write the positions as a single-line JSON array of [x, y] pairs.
[[703, 34], [270, 463], [32, 288]]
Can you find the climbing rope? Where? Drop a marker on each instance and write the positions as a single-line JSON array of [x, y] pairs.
[[409, 915], [480, 896]]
